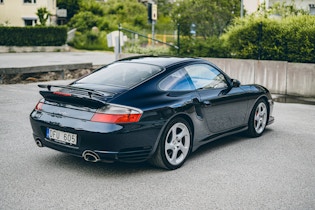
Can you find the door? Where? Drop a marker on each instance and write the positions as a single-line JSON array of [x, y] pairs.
[[224, 107]]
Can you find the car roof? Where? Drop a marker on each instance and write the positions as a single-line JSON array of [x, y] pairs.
[[163, 61]]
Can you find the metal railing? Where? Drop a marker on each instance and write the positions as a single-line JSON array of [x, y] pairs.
[[120, 28]]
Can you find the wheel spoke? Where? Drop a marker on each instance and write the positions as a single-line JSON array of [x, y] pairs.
[[257, 116], [169, 146], [263, 113], [174, 156], [181, 135], [258, 125], [183, 148], [173, 134]]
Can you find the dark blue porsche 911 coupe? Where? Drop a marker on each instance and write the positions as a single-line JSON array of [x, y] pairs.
[[157, 109]]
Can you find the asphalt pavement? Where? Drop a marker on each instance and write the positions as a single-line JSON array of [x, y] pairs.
[[12, 60], [274, 171]]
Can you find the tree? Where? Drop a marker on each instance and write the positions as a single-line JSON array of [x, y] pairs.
[[97, 8], [72, 7], [164, 7], [43, 15], [108, 15], [210, 18]]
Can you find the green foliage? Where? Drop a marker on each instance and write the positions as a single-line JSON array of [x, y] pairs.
[[290, 39], [84, 21], [164, 16], [161, 50], [278, 9], [106, 16], [92, 6], [210, 17], [299, 39], [199, 47], [90, 41], [130, 13], [43, 15], [33, 36], [72, 7], [164, 8]]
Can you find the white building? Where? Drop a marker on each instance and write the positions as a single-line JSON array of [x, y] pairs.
[[252, 5], [23, 12], [300, 4]]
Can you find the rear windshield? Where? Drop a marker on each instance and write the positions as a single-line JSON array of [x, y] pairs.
[[123, 75]]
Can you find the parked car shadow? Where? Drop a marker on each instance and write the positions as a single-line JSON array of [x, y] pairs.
[[101, 169], [222, 143]]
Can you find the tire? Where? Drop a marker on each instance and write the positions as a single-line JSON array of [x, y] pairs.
[[258, 119], [174, 145]]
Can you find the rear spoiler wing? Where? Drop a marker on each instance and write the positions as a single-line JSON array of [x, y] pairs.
[[81, 97], [83, 90]]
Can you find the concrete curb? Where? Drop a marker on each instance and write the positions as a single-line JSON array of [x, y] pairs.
[[27, 49], [48, 68]]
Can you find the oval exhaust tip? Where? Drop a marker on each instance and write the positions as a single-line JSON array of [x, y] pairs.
[[39, 143], [90, 156]]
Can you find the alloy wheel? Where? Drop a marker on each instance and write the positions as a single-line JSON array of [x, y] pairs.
[[177, 143]]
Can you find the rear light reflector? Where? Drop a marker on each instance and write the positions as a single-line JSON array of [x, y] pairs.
[[61, 93], [117, 114], [39, 106]]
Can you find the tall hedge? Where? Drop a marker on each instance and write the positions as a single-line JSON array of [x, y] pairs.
[[290, 39], [33, 36]]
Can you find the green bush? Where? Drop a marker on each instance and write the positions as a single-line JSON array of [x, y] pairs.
[[290, 39], [84, 21], [200, 47], [299, 38], [157, 50], [33, 36], [90, 41]]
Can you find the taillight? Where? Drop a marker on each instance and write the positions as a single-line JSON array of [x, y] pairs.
[[117, 114], [39, 106]]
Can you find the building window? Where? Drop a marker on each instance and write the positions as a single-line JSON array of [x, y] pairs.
[[30, 22], [29, 1], [312, 9]]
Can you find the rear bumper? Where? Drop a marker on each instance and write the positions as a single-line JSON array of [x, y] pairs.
[[127, 143], [138, 154]]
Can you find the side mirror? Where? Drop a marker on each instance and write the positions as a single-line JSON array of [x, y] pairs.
[[236, 83]]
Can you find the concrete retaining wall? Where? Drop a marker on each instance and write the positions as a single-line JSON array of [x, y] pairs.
[[301, 79], [279, 77]]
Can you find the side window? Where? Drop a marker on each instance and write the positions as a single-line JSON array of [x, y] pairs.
[[177, 81], [206, 76]]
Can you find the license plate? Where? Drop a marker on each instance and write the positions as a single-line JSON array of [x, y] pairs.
[[60, 136]]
